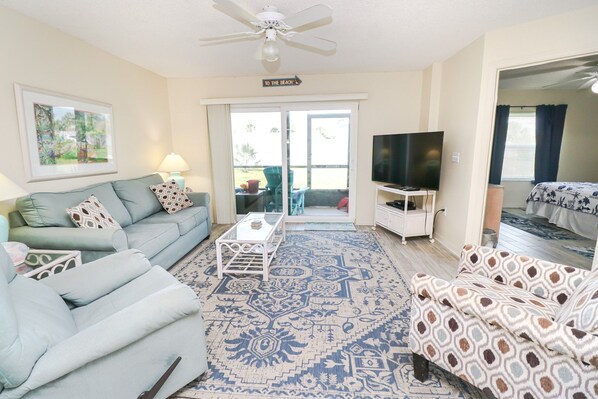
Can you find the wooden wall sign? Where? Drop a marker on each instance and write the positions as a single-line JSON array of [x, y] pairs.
[[281, 82]]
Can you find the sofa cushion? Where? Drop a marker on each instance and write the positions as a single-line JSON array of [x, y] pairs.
[[581, 310], [137, 197], [49, 209], [151, 238], [91, 214], [507, 294], [148, 283], [34, 318], [185, 219]]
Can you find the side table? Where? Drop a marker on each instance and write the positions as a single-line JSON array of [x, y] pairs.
[[41, 263]]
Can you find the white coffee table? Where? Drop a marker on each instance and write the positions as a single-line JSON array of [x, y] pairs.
[[250, 250]]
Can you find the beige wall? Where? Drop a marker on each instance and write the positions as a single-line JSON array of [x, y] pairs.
[[39, 56], [459, 99], [393, 106], [515, 193], [563, 36]]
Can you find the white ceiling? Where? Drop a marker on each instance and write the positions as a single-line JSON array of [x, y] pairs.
[[372, 35]]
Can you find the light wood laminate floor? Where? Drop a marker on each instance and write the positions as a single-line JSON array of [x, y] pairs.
[[521, 242]]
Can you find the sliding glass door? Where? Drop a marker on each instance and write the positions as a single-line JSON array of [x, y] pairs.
[[303, 156]]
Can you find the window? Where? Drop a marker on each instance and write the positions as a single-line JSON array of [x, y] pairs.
[[256, 144], [520, 148]]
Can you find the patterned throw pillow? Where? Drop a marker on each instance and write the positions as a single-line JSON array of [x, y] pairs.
[[170, 195], [91, 214], [581, 310]]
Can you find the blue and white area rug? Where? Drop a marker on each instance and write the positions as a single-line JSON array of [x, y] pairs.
[[311, 226], [538, 227], [332, 322], [588, 252]]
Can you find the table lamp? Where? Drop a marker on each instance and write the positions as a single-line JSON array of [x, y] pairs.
[[8, 190], [175, 164]]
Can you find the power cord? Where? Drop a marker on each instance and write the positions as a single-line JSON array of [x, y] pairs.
[[426, 213], [436, 214]]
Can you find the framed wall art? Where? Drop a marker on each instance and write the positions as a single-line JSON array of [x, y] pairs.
[[64, 136]]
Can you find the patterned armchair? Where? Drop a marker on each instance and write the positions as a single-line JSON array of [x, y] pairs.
[[514, 326]]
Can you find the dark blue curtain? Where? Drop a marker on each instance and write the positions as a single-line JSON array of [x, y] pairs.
[[501, 124], [550, 122]]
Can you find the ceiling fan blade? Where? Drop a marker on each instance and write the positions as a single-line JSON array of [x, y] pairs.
[[587, 84], [566, 82], [236, 11], [309, 15], [310, 41], [232, 36]]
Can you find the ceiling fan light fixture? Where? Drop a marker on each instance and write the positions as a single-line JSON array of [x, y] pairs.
[[270, 51], [272, 25], [594, 87]]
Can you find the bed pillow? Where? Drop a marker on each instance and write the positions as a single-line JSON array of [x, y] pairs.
[[91, 214], [170, 195]]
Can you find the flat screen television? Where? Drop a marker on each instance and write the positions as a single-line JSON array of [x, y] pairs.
[[408, 160]]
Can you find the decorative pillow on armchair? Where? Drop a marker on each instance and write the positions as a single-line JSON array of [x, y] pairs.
[[91, 214], [170, 195], [581, 310]]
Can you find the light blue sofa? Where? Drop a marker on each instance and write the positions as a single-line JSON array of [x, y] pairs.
[[41, 221], [108, 329]]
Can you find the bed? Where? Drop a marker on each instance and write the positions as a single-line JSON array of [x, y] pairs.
[[570, 205]]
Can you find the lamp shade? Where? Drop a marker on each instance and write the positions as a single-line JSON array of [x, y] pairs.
[[173, 163], [9, 189]]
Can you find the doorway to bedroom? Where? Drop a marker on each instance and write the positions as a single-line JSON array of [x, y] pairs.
[[542, 197]]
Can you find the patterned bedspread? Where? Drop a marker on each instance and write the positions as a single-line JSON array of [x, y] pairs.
[[581, 197]]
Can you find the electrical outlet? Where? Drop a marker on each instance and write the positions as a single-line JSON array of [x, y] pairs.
[[444, 211]]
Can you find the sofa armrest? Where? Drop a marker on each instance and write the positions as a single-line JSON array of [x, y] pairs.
[[90, 281], [542, 278], [517, 321], [200, 199], [71, 238], [117, 331]]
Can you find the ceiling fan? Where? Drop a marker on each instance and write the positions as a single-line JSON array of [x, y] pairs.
[[272, 25], [589, 78]]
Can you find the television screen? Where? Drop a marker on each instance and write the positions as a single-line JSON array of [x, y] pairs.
[[409, 159]]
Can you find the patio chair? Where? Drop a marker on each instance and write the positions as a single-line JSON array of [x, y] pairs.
[[274, 188]]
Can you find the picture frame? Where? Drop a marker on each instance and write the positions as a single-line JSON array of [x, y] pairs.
[[64, 136]]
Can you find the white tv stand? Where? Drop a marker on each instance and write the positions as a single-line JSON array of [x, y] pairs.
[[405, 222]]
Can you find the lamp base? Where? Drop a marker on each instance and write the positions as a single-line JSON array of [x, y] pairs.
[[180, 180], [3, 229]]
